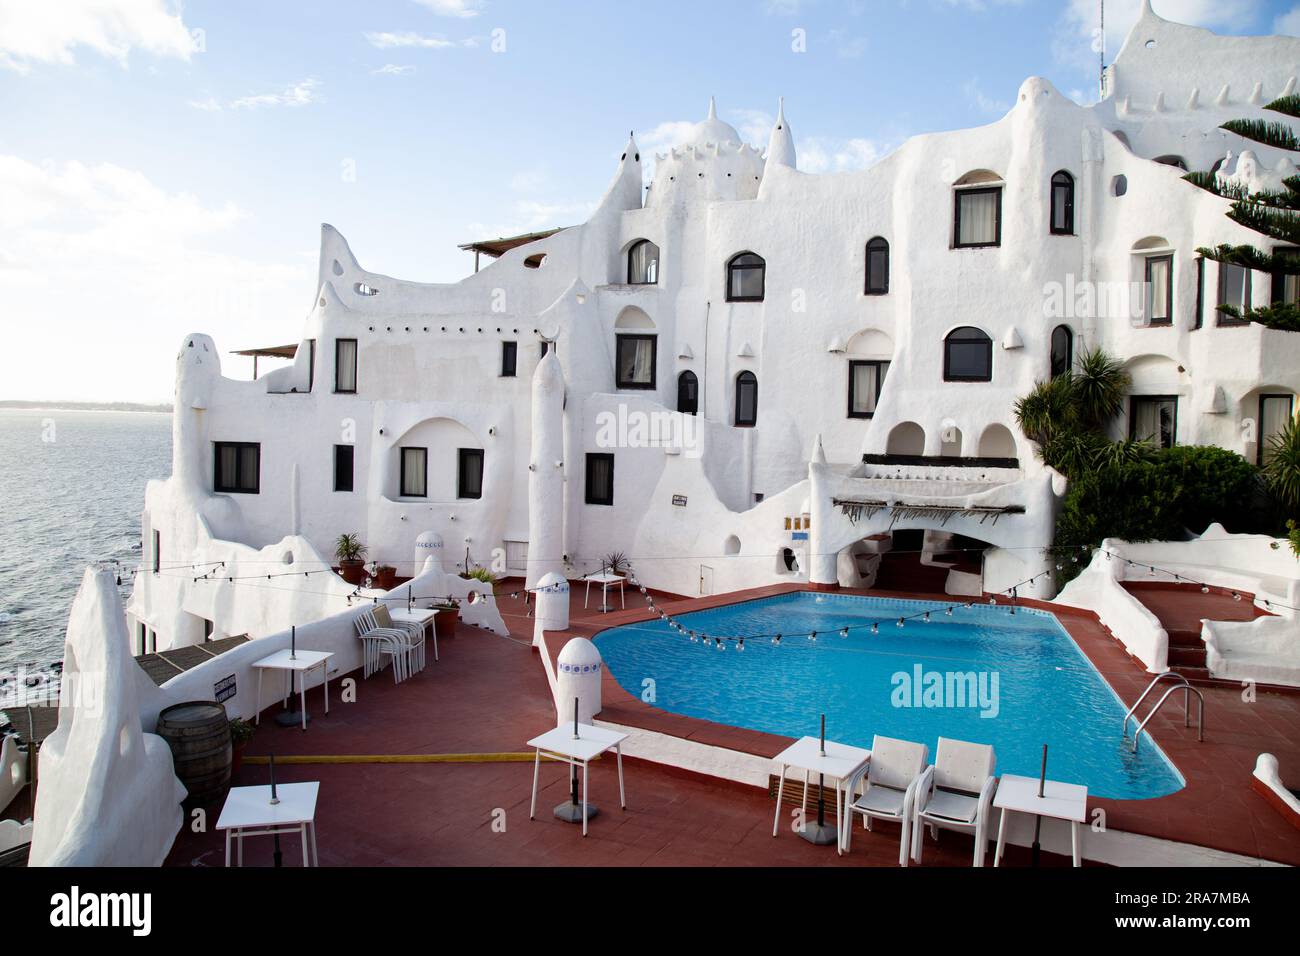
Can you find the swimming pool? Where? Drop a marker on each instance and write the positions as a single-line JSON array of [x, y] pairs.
[[1016, 681]]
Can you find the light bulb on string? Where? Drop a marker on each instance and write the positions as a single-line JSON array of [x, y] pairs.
[[844, 632], [740, 644], [926, 617], [948, 612], [875, 628], [900, 623], [777, 640], [813, 637]]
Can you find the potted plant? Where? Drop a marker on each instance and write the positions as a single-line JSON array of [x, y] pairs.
[[383, 577], [351, 553], [444, 621], [241, 732], [616, 562]]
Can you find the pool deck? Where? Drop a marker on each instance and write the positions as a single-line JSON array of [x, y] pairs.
[[1216, 809], [489, 695]]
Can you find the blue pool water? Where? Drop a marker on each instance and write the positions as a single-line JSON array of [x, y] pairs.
[[1038, 688]]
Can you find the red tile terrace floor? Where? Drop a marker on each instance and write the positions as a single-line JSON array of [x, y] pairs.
[[488, 695]]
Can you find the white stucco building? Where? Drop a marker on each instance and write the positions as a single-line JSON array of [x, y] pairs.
[[833, 358]]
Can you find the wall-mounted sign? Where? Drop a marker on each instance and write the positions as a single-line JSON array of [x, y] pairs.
[[224, 689], [799, 536], [679, 501]]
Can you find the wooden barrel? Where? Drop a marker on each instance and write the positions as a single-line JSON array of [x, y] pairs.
[[198, 733]]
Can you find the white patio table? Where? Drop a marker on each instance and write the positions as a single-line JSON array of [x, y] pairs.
[[606, 581], [248, 811], [299, 663], [1060, 801], [840, 762], [559, 744]]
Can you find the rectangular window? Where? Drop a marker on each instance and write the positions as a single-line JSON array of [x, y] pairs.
[[208, 628], [415, 473], [636, 361], [1234, 290], [311, 364], [1198, 321], [866, 379], [469, 473], [157, 551], [345, 366], [1160, 290], [509, 359], [237, 468], [546, 347], [978, 217], [141, 637], [1154, 418], [600, 479], [343, 458], [1286, 285], [1275, 412]]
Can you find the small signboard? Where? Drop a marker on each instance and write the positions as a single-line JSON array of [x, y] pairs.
[[224, 689], [679, 501], [799, 536]]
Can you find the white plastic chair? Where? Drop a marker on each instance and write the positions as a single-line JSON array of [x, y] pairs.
[[892, 777], [376, 643], [956, 793], [414, 636]]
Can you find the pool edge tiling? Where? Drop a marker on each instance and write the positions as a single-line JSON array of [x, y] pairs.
[[1216, 809]]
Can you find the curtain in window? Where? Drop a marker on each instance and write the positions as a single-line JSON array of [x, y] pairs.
[[600, 478], [1153, 421], [746, 399], [867, 377], [414, 479], [979, 218], [248, 468], [1158, 289], [228, 466], [643, 264], [1275, 411], [345, 370], [637, 358], [471, 473], [1234, 287]]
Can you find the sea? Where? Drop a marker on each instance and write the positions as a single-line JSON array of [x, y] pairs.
[[71, 492]]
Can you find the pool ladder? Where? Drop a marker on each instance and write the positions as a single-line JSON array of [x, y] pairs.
[[1181, 684]]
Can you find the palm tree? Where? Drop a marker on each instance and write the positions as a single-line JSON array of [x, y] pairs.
[[1282, 467], [1099, 385]]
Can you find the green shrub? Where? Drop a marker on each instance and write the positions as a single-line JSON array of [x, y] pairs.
[[1282, 466], [1262, 131], [1214, 484], [1290, 105]]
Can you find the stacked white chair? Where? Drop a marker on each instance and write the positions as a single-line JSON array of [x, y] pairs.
[[414, 636], [893, 777], [956, 793], [378, 642]]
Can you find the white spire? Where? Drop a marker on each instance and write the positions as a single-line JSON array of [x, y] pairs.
[[780, 148]]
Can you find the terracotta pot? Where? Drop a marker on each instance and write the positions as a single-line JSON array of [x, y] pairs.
[[444, 622], [352, 570], [384, 578]]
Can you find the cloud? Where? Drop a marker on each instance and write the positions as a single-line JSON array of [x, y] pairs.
[[1079, 27], [409, 38], [979, 6], [116, 269], [461, 9], [827, 154], [983, 102], [392, 69], [534, 215], [785, 8], [1288, 24], [301, 93], [39, 31]]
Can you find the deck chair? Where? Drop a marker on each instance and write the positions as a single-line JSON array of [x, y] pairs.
[[892, 778], [956, 793], [378, 643], [414, 636]]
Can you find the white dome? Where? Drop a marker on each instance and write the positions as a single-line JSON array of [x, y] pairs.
[[712, 131]]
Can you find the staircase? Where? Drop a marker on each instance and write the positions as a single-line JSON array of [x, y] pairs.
[[1180, 609], [905, 572]]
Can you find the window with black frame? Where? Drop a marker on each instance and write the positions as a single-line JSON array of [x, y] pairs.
[[1276, 411], [1154, 418], [414, 473], [688, 393], [237, 468], [600, 479], [1286, 285], [345, 366], [509, 359], [343, 467], [878, 267], [1062, 350], [1160, 290], [967, 356], [746, 400], [1062, 204], [636, 361], [1234, 291], [978, 218], [746, 278], [643, 263], [469, 473], [866, 380]]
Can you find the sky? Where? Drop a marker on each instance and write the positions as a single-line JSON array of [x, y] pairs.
[[165, 167]]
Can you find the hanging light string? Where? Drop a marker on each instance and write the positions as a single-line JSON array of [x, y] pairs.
[[1180, 578]]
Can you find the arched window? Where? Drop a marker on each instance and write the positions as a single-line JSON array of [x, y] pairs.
[[643, 263], [746, 277], [688, 393], [877, 266], [978, 210], [1062, 204], [1062, 350], [967, 356], [746, 400]]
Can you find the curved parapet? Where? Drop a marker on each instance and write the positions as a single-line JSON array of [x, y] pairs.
[[1267, 782], [108, 794]]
